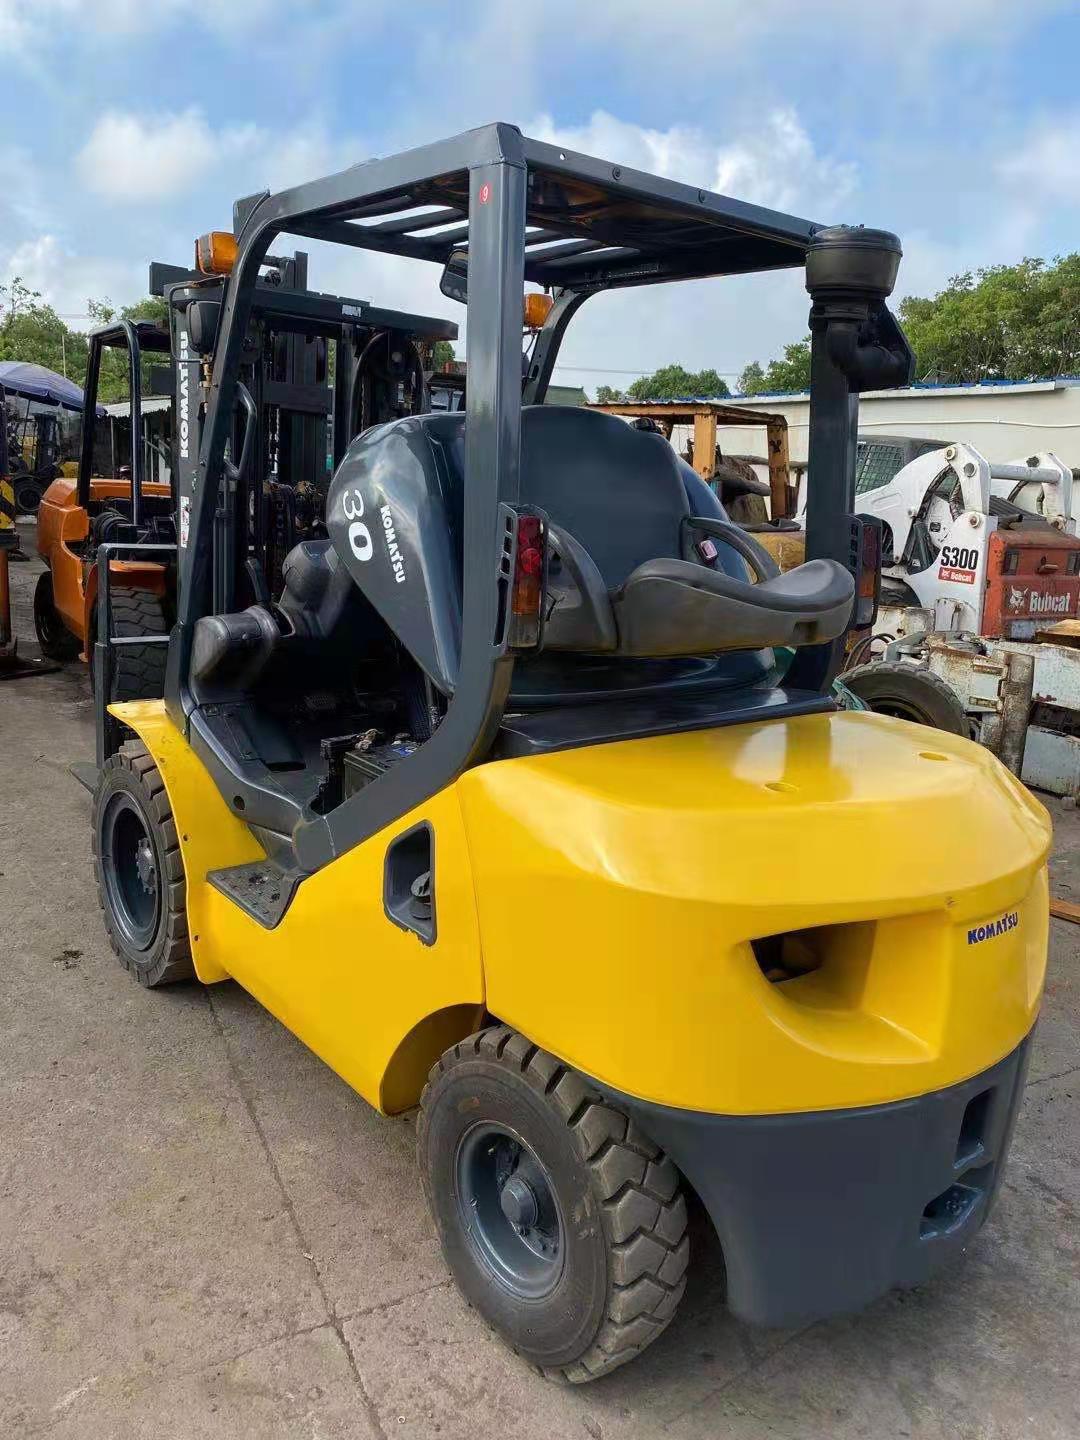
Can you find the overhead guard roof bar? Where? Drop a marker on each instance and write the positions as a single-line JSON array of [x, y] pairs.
[[609, 212]]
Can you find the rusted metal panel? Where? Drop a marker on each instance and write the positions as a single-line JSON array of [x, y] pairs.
[[781, 500], [705, 444], [1052, 761], [1030, 579]]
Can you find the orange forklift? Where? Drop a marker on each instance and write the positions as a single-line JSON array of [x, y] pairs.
[[76, 518]]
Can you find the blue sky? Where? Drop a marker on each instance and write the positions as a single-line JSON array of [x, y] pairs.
[[133, 124]]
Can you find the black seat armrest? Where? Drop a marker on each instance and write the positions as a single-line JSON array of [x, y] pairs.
[[756, 556], [579, 615], [676, 607]]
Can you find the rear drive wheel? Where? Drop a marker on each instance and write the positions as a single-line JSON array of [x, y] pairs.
[[139, 869], [28, 493], [561, 1222], [138, 670], [56, 640], [909, 692]]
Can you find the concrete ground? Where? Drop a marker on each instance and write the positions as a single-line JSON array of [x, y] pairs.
[[203, 1233]]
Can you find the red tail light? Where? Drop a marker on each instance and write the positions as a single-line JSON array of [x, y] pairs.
[[527, 589], [866, 534]]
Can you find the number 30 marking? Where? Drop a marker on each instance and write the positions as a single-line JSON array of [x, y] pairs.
[[352, 507]]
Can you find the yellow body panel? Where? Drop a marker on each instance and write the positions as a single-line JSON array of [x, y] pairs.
[[351, 984], [619, 886], [602, 901]]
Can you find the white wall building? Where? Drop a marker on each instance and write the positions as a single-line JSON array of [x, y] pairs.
[[1003, 421]]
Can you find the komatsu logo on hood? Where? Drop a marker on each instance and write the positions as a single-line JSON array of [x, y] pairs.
[[1007, 922], [397, 563]]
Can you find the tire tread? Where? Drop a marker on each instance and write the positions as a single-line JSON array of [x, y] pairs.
[[638, 1188], [174, 963]]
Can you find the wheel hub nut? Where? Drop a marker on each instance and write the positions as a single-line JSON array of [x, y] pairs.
[[519, 1203], [144, 865]]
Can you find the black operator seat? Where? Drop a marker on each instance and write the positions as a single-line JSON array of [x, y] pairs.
[[633, 573], [620, 496]]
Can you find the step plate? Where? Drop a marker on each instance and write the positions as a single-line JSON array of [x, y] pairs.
[[261, 888]]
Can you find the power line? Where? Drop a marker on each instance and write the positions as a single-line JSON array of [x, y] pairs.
[[613, 370]]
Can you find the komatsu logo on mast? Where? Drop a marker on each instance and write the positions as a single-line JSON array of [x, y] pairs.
[[185, 428]]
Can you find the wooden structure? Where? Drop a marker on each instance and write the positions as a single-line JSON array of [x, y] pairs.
[[705, 416]]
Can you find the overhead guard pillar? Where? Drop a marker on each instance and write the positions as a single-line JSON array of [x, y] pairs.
[[855, 345]]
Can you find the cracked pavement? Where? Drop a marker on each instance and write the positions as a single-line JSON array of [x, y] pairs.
[[204, 1233]]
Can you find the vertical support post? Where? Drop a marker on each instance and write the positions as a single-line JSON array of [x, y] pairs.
[[492, 427], [779, 468], [5, 600], [834, 426], [138, 467], [705, 443]]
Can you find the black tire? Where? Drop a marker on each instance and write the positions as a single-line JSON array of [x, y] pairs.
[[28, 493], [610, 1288], [139, 869], [56, 640], [138, 670], [909, 692]]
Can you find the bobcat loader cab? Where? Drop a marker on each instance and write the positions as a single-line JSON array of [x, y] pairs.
[[509, 867]]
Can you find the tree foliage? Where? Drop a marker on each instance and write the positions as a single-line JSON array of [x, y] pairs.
[[792, 373], [32, 331], [670, 382], [442, 354], [1003, 322]]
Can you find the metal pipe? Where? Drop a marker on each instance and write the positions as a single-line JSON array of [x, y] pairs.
[[1026, 474]]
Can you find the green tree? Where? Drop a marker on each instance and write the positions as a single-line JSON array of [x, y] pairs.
[[608, 395], [672, 382], [752, 379], [1003, 322], [442, 354], [792, 373], [32, 331], [113, 382]]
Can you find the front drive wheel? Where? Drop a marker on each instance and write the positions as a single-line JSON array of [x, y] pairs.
[[562, 1224], [138, 670], [139, 869], [56, 640]]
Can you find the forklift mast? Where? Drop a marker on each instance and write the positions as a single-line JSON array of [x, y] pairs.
[[314, 369]]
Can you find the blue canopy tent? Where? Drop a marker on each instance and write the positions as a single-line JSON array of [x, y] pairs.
[[21, 377]]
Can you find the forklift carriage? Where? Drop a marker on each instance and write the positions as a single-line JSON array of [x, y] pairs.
[[475, 800]]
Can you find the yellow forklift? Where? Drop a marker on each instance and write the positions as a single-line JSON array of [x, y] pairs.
[[475, 803]]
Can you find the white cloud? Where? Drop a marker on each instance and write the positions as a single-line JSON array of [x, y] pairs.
[[720, 323], [773, 164], [1047, 163], [134, 158], [67, 279], [28, 26]]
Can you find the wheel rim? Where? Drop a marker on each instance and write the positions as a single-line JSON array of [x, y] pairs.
[[51, 629], [509, 1210], [129, 863], [27, 497], [899, 710]]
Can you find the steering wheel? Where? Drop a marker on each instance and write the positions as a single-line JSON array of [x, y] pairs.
[[389, 381]]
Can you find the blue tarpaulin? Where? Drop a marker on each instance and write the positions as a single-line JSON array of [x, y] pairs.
[[23, 378]]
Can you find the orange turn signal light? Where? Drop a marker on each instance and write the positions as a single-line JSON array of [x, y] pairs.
[[537, 309], [215, 253]]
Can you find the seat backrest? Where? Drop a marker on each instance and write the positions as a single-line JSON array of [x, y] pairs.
[[395, 507], [617, 490]]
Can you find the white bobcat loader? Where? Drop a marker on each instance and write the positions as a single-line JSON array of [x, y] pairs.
[[980, 600]]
